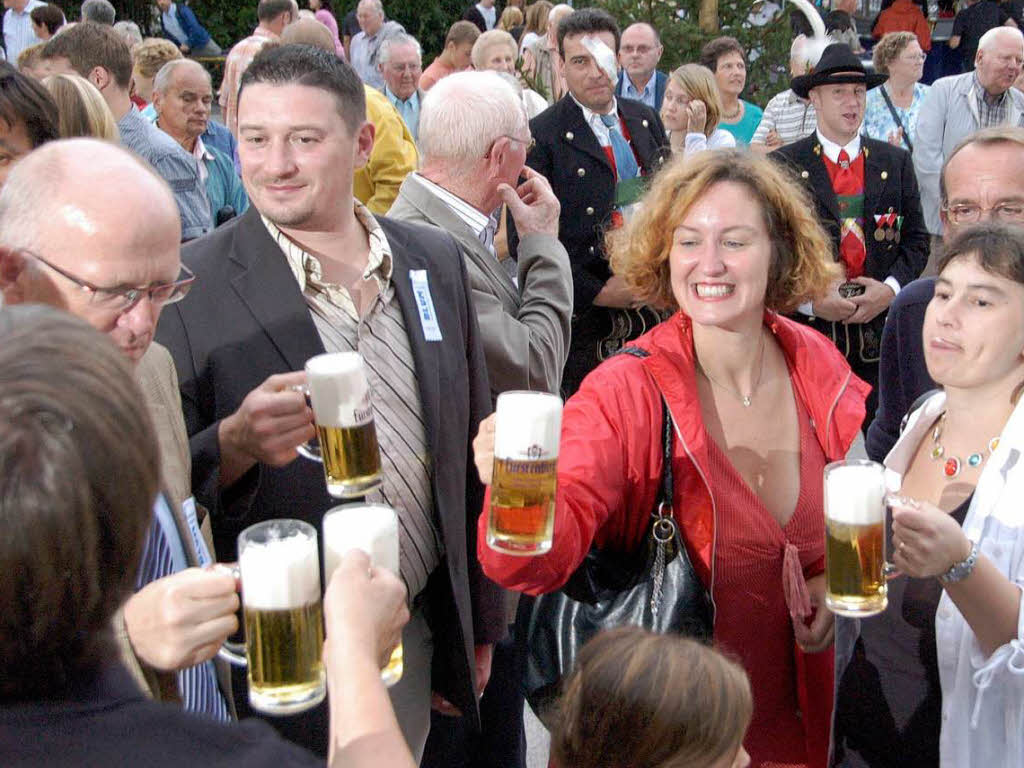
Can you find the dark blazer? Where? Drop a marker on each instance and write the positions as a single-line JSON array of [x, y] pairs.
[[660, 82], [889, 186], [568, 154], [902, 373], [474, 15], [247, 319]]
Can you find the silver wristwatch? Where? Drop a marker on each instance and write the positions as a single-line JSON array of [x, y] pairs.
[[960, 571]]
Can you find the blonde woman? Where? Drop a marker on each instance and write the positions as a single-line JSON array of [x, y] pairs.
[[147, 58], [691, 111], [81, 108], [496, 50], [536, 24]]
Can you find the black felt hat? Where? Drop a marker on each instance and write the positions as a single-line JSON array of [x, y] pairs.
[[838, 64]]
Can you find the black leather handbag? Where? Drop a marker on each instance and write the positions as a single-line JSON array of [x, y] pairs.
[[655, 588]]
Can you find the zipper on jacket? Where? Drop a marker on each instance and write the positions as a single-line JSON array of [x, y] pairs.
[[835, 404]]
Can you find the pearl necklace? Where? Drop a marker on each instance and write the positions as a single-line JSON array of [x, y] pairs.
[[952, 465]]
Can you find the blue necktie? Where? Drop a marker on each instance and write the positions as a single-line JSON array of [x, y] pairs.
[[625, 163]]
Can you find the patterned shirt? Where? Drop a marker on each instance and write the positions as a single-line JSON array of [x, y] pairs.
[[990, 112], [790, 116], [238, 60], [175, 166], [878, 121], [380, 337]]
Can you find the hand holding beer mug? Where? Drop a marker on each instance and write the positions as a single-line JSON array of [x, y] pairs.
[[855, 565], [373, 528], [279, 562], [340, 396], [528, 426]]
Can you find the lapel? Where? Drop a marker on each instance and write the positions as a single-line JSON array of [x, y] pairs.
[[419, 196], [268, 289], [576, 134], [813, 162], [876, 174], [425, 353], [640, 132]]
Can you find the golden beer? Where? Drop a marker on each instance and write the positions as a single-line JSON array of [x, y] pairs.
[[522, 518], [285, 648], [855, 538], [340, 396], [279, 565], [351, 459], [373, 528], [855, 568], [527, 430]]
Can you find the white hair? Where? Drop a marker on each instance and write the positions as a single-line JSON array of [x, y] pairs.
[[100, 11], [377, 5], [165, 74], [129, 32], [384, 51], [464, 114], [989, 39]]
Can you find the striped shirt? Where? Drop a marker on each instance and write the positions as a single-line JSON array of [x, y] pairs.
[[791, 117], [18, 31], [480, 224], [380, 337], [175, 166], [162, 555], [238, 60]]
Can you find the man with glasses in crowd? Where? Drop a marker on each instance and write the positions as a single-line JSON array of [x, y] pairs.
[[109, 253], [982, 180]]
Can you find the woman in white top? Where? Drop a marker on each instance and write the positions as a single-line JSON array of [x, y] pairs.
[[691, 111], [954, 617]]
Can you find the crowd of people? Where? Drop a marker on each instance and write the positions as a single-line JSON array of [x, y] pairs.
[[839, 274]]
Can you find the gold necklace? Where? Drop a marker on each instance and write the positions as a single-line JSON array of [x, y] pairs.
[[734, 115], [745, 399]]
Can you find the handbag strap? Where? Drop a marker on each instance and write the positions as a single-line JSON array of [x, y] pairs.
[[896, 117]]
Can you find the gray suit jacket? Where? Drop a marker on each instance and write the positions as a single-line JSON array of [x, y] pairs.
[[525, 330], [948, 114]]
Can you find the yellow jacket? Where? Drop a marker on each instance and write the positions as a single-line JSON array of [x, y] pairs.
[[394, 155]]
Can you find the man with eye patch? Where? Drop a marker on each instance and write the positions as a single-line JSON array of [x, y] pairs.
[[982, 180], [182, 97]]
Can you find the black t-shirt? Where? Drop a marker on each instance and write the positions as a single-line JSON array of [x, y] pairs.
[[973, 22]]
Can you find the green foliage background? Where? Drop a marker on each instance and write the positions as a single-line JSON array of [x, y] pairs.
[[428, 20]]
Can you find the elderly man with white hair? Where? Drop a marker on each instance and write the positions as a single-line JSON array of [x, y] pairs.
[[959, 105], [474, 137], [496, 50], [365, 47], [182, 97], [787, 117], [400, 61]]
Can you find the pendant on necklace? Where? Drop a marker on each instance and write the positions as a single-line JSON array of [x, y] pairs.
[[746, 401]]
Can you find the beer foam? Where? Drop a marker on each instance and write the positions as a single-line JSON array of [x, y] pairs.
[[372, 528], [855, 494], [528, 425], [281, 573], [338, 389]]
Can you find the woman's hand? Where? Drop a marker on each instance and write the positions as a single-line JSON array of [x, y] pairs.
[[483, 449], [925, 540], [818, 635], [696, 116]]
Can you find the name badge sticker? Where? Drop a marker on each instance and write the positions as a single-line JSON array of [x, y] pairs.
[[425, 305], [189, 507]]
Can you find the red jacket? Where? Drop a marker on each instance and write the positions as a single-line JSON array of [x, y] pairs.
[[610, 459], [904, 16]]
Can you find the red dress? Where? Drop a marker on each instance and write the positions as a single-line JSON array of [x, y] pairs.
[[752, 621]]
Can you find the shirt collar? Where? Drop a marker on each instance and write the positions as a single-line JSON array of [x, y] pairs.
[[305, 265], [984, 95], [629, 87], [469, 214], [831, 149], [413, 100], [590, 115], [200, 152]]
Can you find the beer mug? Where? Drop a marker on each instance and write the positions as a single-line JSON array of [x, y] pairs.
[[347, 439], [527, 429], [855, 565], [279, 566], [373, 528]]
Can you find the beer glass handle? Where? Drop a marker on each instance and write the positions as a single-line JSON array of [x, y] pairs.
[[311, 449], [233, 653]]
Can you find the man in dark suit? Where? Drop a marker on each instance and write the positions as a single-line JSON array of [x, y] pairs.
[[597, 152], [307, 270], [983, 178], [639, 53], [484, 14], [867, 199]]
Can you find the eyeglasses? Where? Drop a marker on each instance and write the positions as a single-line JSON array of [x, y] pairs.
[[969, 214], [529, 144], [121, 300]]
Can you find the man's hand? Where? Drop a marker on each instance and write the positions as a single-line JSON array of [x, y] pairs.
[[182, 619], [876, 299], [696, 116], [483, 656], [818, 635], [615, 294], [773, 140], [364, 611], [483, 449], [271, 421], [533, 205], [833, 307]]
